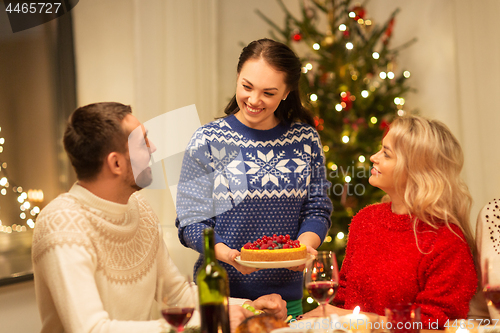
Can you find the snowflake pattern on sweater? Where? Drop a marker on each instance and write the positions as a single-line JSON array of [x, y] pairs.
[[246, 183]]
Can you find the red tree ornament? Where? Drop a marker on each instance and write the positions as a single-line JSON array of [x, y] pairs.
[[388, 32], [297, 37], [346, 103], [359, 11]]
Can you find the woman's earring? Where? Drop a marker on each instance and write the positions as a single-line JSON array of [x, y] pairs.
[[284, 98]]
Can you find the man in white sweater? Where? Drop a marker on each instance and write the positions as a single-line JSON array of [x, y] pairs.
[[97, 250]]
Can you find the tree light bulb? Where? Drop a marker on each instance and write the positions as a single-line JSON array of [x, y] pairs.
[[342, 27], [364, 93], [390, 75], [373, 120], [309, 66], [345, 139], [316, 46], [383, 75], [348, 179], [361, 158], [338, 107], [313, 97], [352, 14], [340, 235], [349, 46], [375, 55], [406, 74]]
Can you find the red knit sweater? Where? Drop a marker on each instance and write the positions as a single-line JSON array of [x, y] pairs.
[[383, 266]]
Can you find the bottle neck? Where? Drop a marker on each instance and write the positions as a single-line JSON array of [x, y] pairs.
[[209, 243]]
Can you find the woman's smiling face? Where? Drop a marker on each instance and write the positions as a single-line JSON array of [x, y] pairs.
[[259, 91], [384, 162]]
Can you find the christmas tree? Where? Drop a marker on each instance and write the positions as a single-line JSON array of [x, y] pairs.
[[354, 87]]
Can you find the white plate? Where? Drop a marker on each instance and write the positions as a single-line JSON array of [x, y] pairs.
[[274, 264]]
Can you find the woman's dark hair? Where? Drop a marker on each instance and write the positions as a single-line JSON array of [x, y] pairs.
[[284, 60]]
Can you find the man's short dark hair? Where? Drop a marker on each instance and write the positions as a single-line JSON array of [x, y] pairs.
[[94, 131]]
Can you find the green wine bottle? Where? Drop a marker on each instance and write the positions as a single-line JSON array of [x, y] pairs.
[[213, 289]]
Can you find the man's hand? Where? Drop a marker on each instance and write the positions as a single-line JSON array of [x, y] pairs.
[[236, 315], [272, 304]]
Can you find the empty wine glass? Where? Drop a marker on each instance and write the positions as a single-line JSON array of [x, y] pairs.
[[178, 309], [322, 278], [491, 281]]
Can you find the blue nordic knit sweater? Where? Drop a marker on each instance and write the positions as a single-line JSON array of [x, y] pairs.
[[246, 183]]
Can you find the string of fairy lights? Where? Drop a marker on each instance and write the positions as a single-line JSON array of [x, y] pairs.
[[28, 211]]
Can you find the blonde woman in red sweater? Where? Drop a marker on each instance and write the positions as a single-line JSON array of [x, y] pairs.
[[414, 248]]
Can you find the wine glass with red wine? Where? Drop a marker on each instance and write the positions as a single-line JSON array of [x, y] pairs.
[[491, 281], [176, 310], [322, 278]]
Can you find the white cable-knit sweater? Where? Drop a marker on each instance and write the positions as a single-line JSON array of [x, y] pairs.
[[96, 265]]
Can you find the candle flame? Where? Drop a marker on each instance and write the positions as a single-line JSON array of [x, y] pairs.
[[356, 310]]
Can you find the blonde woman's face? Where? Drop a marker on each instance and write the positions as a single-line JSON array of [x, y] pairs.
[[384, 162], [259, 91]]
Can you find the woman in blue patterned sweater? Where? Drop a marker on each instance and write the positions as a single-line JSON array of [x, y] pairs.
[[258, 171]]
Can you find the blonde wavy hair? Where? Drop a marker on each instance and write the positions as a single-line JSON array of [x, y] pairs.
[[427, 174]]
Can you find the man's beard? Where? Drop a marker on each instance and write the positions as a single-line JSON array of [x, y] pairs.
[[143, 180]]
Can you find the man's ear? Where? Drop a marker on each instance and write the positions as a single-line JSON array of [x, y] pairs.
[[116, 163]]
